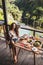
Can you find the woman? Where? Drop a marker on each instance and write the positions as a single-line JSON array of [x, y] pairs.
[[14, 35]]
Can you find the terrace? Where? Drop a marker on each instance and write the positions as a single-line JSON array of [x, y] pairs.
[[24, 57]]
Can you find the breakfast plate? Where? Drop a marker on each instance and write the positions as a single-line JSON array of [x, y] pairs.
[[34, 49]]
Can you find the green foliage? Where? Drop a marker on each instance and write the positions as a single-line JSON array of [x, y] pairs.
[[16, 13], [14, 10], [1, 14], [1, 17], [27, 15], [32, 11], [27, 11], [0, 3]]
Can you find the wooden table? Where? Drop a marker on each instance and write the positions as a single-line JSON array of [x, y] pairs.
[[27, 49]]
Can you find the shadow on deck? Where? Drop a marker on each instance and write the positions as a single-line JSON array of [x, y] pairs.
[[25, 57]]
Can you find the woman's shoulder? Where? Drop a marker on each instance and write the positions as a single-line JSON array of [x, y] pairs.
[[10, 31]]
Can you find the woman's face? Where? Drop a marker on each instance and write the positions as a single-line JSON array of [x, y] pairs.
[[14, 26]]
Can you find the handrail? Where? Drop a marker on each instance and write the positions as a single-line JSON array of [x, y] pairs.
[[32, 29], [36, 30]]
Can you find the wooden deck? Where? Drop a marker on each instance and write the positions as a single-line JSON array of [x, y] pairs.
[[24, 58]]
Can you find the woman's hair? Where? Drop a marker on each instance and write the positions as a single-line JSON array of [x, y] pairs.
[[16, 28]]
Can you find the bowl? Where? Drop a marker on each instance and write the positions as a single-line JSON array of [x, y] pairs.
[[37, 44]]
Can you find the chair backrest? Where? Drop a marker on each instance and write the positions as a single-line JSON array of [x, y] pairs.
[[7, 37]]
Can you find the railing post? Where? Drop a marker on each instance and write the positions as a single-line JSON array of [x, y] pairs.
[[34, 33]]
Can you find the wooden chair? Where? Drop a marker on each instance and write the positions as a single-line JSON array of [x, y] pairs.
[[8, 42]]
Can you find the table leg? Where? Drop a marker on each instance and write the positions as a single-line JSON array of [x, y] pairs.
[[19, 51], [34, 59]]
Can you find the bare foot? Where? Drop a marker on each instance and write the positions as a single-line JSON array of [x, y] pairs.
[[15, 59]]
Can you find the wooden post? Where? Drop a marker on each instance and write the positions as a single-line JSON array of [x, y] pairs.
[[34, 33], [5, 15]]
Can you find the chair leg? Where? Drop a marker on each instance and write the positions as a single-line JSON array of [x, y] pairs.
[[10, 51], [7, 44]]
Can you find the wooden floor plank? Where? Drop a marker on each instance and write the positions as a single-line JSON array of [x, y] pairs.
[[24, 58]]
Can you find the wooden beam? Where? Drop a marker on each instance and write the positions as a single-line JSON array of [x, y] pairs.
[[32, 29], [5, 15]]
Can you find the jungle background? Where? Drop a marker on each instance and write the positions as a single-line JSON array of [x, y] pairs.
[[29, 12]]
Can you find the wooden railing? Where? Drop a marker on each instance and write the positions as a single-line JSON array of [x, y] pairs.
[[32, 29]]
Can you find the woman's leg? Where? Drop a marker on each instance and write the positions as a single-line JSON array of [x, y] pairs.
[[14, 54]]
